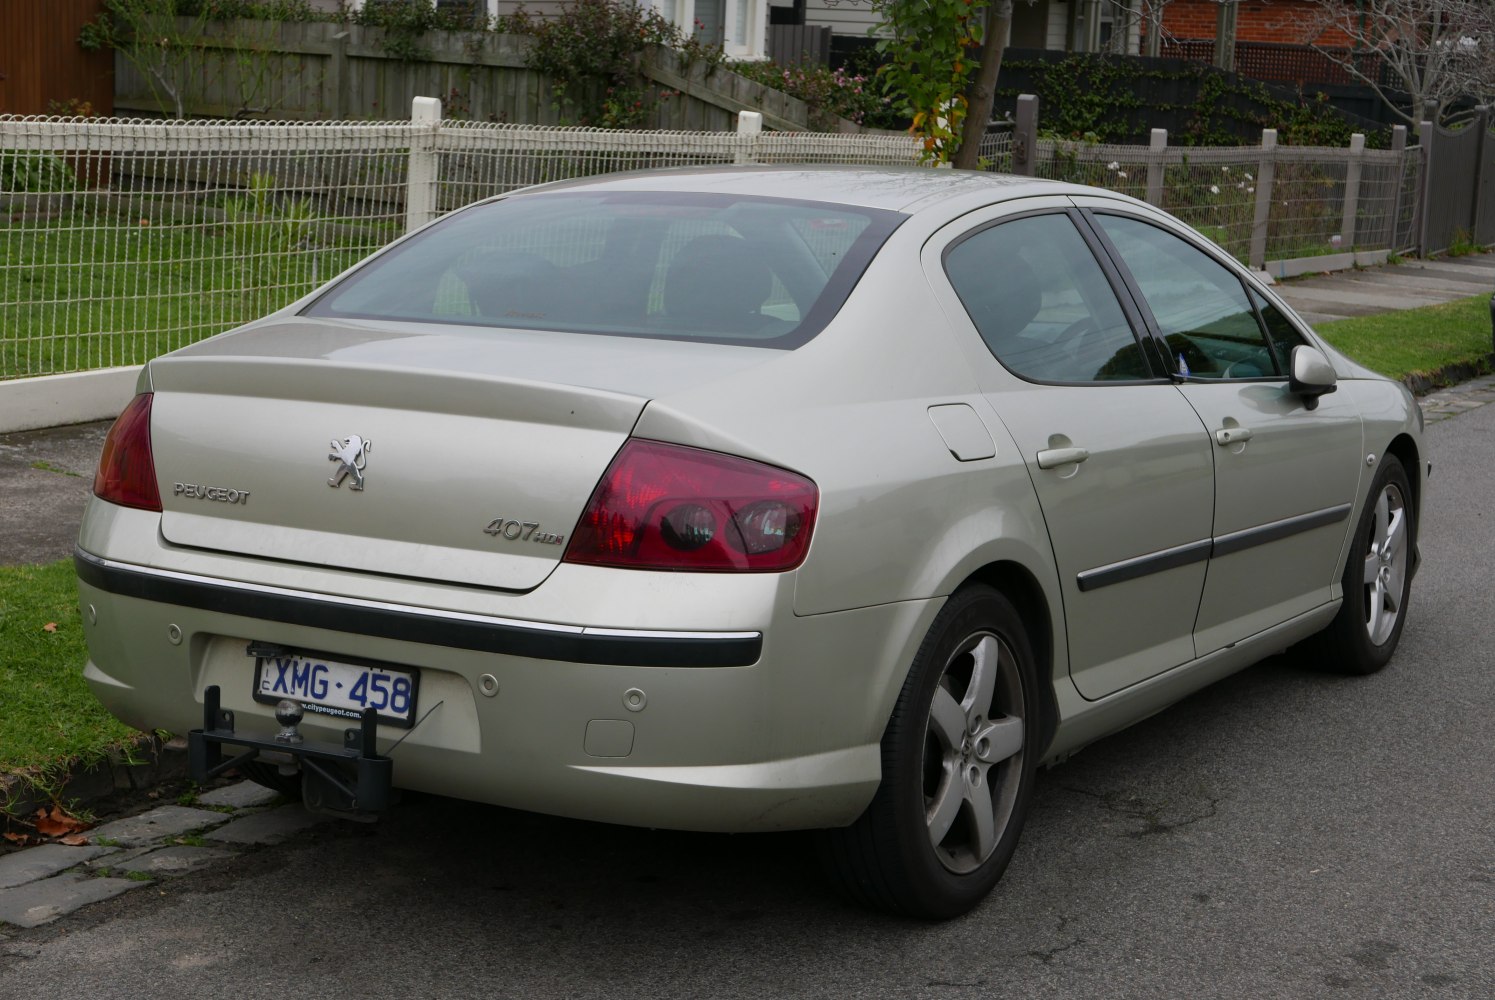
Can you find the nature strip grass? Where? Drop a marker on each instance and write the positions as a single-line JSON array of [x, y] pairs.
[[1421, 341], [47, 714]]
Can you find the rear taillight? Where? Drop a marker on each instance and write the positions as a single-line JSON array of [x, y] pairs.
[[127, 473], [663, 506]]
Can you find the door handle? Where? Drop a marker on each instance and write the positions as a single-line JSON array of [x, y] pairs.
[[1052, 458], [1232, 435]]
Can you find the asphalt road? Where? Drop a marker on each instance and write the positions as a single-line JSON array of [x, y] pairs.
[[1282, 834]]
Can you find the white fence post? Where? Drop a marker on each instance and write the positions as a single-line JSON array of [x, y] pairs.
[[1264, 171], [749, 127], [420, 177], [1156, 165], [1352, 190]]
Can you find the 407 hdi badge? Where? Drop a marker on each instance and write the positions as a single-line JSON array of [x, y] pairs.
[[528, 531], [351, 456]]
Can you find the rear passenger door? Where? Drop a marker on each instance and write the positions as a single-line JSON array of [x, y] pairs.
[[1285, 475], [1119, 460]]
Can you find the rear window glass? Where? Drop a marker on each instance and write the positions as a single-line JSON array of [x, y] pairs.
[[719, 268]]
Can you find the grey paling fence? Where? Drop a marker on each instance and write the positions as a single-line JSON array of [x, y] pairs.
[[323, 70], [1452, 169], [1260, 203], [1484, 222], [123, 239]]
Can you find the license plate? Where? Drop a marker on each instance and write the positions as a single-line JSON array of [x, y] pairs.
[[337, 687]]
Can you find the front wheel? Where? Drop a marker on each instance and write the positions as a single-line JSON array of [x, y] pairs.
[[1377, 580], [958, 762]]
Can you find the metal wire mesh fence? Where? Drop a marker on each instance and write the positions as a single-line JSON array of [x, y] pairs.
[[123, 239], [1259, 203]]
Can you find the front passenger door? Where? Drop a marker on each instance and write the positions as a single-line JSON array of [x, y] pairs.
[[1285, 475]]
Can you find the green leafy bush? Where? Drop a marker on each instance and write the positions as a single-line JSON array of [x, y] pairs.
[[830, 93], [34, 173]]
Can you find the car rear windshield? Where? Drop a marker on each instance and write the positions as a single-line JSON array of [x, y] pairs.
[[710, 267]]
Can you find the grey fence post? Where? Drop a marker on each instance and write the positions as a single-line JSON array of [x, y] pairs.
[[1399, 146], [1481, 125], [1353, 170], [337, 76], [1264, 171], [1157, 149], [749, 127], [1025, 135], [1425, 132], [420, 176]]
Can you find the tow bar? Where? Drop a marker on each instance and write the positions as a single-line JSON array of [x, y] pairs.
[[368, 791]]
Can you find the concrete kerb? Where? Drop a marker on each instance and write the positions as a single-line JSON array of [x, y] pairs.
[[58, 400], [139, 765]]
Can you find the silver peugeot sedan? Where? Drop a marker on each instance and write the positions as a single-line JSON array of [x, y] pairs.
[[745, 499]]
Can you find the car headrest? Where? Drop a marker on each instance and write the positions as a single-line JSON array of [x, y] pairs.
[[717, 283], [1002, 296]]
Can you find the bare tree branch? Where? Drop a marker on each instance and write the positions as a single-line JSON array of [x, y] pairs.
[[1431, 50]]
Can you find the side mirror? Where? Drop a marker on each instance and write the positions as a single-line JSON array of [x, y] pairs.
[[1312, 376]]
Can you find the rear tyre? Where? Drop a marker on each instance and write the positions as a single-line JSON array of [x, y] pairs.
[[958, 762], [269, 776], [1377, 581]]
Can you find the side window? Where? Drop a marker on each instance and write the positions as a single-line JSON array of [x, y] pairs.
[[1043, 304], [1200, 306], [1283, 335]]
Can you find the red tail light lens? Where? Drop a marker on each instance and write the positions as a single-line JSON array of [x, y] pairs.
[[127, 473], [667, 507]]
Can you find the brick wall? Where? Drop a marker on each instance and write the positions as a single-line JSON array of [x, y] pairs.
[[1262, 21]]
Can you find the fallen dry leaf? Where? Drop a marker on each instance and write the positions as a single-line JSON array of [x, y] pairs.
[[13, 837], [50, 627], [55, 822], [74, 840]]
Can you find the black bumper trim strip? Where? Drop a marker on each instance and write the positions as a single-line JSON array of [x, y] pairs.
[[414, 625]]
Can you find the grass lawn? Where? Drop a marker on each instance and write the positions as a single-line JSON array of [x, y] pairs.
[[81, 291], [1416, 341], [47, 713]]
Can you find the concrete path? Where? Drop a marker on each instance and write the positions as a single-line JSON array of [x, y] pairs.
[[1326, 297]]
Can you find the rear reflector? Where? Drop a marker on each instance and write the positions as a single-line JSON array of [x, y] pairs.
[[667, 507], [127, 473]]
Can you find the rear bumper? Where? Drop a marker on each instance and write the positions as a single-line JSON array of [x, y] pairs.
[[455, 630], [773, 722]]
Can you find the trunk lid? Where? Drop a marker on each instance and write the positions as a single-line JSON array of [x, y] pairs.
[[476, 451]]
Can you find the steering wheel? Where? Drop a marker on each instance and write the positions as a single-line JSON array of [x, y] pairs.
[[1076, 331], [1258, 366]]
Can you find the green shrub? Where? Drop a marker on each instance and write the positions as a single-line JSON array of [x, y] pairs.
[[34, 173], [830, 93]]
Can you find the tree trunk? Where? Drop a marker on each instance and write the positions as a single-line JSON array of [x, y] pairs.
[[982, 89]]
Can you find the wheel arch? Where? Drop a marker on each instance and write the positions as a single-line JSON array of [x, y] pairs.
[[1015, 582], [1404, 448]]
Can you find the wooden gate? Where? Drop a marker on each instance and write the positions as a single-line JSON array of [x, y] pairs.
[[43, 69]]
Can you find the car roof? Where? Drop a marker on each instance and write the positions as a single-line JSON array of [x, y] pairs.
[[898, 189]]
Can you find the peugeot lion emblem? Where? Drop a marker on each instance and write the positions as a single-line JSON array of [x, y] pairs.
[[351, 456]]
